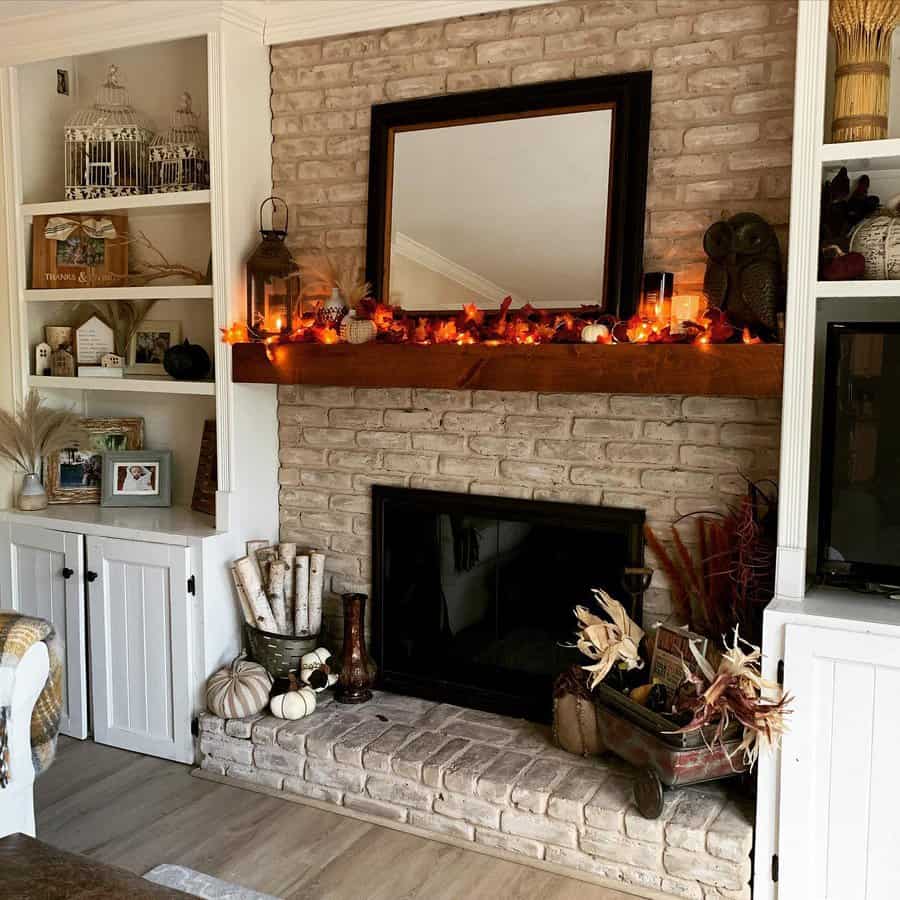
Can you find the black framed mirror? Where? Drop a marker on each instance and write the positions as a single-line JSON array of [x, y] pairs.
[[536, 191]]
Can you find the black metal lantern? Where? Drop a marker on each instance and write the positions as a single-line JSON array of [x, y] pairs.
[[273, 279]]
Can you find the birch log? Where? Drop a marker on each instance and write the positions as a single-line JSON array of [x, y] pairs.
[[301, 595], [246, 611], [275, 592], [252, 548], [316, 586], [265, 556], [287, 552], [256, 597]]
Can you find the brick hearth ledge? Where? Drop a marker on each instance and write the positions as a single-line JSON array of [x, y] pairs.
[[495, 781]]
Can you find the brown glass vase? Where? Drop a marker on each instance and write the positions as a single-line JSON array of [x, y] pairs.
[[355, 681]]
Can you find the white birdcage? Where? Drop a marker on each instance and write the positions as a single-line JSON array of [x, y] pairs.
[[178, 158], [106, 146]]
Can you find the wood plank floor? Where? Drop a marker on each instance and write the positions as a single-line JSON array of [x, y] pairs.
[[137, 812]]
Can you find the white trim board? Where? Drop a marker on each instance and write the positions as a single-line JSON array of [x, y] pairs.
[[290, 20], [451, 270]]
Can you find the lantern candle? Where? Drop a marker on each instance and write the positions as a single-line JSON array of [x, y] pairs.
[[273, 279], [656, 298]]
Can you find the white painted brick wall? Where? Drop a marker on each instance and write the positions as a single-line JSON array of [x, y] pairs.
[[720, 123]]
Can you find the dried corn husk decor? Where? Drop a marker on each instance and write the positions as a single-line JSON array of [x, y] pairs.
[[734, 692], [608, 643], [862, 79]]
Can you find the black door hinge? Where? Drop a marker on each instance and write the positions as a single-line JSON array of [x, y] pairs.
[[195, 726], [775, 867], [779, 677], [192, 586]]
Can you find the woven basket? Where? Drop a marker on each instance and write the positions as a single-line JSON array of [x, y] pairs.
[[280, 655], [862, 79]]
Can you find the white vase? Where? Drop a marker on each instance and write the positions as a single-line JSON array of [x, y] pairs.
[[32, 496]]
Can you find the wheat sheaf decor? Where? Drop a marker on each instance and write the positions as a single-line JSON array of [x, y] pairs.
[[862, 78]]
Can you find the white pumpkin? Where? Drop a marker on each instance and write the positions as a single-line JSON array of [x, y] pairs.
[[315, 670], [294, 704], [592, 334], [239, 690]]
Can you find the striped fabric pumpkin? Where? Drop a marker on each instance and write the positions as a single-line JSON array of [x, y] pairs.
[[238, 690]]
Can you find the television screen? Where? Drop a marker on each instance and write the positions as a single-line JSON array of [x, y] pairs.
[[860, 501]]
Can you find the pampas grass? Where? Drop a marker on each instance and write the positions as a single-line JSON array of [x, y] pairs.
[[36, 431], [321, 275], [124, 317]]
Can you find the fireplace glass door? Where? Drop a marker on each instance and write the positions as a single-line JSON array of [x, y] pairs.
[[474, 595]]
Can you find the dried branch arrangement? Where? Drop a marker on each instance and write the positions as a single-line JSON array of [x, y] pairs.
[[733, 692], [321, 275], [730, 578], [158, 266], [279, 589], [35, 431]]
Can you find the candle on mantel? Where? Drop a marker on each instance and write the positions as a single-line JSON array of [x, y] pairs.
[[685, 308]]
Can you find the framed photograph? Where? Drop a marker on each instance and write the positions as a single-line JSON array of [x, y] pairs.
[[74, 475], [79, 251], [149, 345], [137, 478]]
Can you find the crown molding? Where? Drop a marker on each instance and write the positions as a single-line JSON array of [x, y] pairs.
[[451, 270], [97, 26], [300, 20]]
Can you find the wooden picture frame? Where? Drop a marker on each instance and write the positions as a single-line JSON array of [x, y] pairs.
[[137, 478], [148, 345], [206, 481], [78, 261], [627, 95], [61, 469]]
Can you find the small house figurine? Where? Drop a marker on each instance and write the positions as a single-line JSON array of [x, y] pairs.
[[178, 157], [107, 146], [93, 340], [42, 359], [112, 361], [62, 363]]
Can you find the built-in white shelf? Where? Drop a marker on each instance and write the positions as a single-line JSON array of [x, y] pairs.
[[861, 289], [147, 292], [142, 202], [164, 525], [148, 384], [870, 156]]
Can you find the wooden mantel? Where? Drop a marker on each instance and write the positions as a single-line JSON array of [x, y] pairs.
[[713, 369]]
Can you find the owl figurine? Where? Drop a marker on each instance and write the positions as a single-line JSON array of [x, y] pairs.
[[743, 272]]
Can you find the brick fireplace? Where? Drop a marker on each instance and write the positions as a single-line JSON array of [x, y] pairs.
[[668, 455]]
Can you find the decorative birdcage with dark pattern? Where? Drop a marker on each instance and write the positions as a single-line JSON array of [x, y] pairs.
[[178, 157], [107, 146]]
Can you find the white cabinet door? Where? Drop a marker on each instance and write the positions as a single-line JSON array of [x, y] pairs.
[[839, 787], [140, 646], [42, 576]]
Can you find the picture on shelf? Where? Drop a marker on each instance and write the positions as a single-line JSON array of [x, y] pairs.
[[79, 469], [149, 345], [135, 479], [75, 475], [78, 250]]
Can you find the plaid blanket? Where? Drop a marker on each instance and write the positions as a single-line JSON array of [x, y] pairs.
[[17, 634]]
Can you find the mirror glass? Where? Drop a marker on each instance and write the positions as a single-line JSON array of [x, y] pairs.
[[515, 206]]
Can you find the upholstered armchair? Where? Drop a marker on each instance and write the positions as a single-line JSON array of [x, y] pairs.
[[19, 690]]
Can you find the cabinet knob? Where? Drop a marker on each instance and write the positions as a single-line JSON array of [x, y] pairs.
[[91, 576], [67, 572]]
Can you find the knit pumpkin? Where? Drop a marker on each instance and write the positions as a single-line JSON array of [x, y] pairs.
[[238, 690]]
